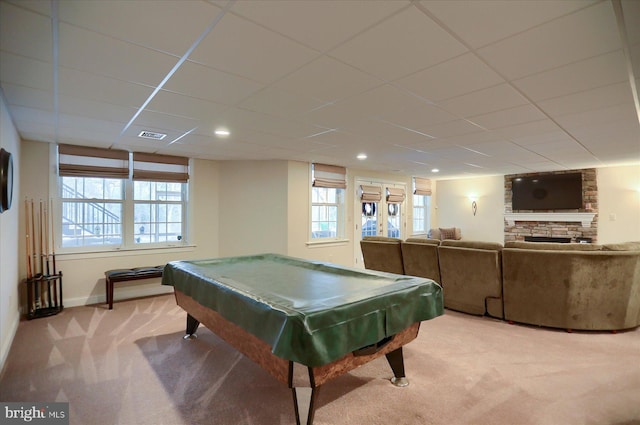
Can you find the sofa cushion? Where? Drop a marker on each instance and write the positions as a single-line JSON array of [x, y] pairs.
[[552, 246], [424, 241], [473, 244], [625, 246], [381, 239], [447, 233]]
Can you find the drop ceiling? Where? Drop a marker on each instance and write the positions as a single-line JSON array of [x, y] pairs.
[[472, 88]]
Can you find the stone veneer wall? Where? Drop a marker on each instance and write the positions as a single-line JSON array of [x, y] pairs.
[[520, 229]]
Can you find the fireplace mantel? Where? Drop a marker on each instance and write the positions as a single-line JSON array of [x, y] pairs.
[[581, 217]]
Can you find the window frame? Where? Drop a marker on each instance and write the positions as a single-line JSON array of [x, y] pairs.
[[426, 208], [128, 210], [341, 197]]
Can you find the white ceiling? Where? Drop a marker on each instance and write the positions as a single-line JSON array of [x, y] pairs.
[[472, 88]]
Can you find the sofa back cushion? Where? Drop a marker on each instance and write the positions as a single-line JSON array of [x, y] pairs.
[[624, 246], [473, 244], [382, 254], [553, 246], [420, 258]]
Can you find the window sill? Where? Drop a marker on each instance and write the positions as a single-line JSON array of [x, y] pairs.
[[78, 255], [323, 243]]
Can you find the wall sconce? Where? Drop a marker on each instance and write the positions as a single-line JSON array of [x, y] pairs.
[[474, 204]]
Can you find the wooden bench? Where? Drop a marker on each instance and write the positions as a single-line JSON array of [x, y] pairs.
[[125, 275]]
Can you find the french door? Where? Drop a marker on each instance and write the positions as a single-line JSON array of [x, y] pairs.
[[379, 211]]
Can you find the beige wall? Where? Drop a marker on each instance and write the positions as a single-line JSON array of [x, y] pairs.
[[9, 236], [453, 207], [83, 273], [618, 201], [253, 207], [619, 204]]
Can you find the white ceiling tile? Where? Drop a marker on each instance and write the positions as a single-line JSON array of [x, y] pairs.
[[28, 97], [25, 33], [255, 53], [508, 117], [586, 33], [23, 71], [584, 75], [401, 45], [170, 26], [85, 85], [596, 117], [186, 106], [530, 130], [156, 121], [491, 99], [73, 106], [311, 80], [92, 52], [452, 128], [205, 83], [279, 103], [613, 94], [452, 78], [38, 116], [480, 23], [318, 24]]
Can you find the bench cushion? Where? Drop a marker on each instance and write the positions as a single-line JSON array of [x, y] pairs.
[[136, 273]]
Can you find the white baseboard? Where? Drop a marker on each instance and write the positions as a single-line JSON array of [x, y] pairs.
[[6, 344], [119, 294]]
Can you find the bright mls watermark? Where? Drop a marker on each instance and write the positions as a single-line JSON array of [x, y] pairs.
[[34, 413]]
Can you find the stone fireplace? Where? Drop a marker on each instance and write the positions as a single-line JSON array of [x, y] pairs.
[[576, 225]]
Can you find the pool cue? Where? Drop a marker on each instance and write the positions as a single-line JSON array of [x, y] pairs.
[[28, 253], [53, 254], [46, 250], [36, 298], [40, 225]]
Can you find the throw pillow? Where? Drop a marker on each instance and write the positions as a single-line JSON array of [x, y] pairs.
[[448, 233]]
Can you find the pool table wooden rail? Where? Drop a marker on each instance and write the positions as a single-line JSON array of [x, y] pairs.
[[287, 371]]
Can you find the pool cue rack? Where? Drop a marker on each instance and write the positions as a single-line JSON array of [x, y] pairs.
[[44, 281]]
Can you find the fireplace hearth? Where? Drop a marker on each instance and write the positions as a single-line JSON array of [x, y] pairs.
[[546, 239]]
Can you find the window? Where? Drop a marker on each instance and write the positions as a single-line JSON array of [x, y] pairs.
[[158, 212], [102, 207], [91, 211], [327, 201], [421, 205]]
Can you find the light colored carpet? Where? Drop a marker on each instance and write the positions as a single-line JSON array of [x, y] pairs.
[[131, 366]]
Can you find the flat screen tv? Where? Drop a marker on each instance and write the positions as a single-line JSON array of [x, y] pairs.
[[547, 192]]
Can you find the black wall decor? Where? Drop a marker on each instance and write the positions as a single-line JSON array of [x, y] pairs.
[[6, 180]]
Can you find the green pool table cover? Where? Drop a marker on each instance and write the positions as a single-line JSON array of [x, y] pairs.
[[309, 312]]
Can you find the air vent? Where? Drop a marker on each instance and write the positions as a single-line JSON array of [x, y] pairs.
[[151, 135]]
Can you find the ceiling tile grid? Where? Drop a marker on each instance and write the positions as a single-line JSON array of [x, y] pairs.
[[472, 87]]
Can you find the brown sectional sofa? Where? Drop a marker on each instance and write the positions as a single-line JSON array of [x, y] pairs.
[[382, 254], [568, 286], [420, 258], [471, 275], [572, 286]]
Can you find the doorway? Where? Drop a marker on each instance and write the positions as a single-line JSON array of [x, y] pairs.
[[379, 211]]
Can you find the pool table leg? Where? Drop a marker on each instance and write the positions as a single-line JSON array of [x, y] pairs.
[[305, 391], [192, 326], [303, 397], [396, 361]]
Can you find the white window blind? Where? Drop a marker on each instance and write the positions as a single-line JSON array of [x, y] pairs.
[[370, 193], [329, 176], [160, 168], [83, 161], [395, 195], [421, 186]]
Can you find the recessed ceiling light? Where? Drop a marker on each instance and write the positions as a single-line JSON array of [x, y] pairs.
[[146, 134], [435, 170], [362, 156], [222, 132]]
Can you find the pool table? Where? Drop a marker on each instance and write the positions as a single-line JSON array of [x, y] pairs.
[[305, 322]]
